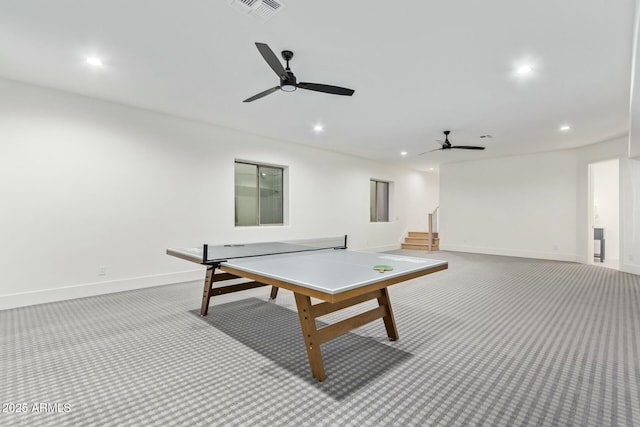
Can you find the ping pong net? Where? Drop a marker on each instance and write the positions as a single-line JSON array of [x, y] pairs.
[[214, 255]]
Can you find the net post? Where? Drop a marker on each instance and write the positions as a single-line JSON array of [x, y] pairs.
[[345, 241], [205, 253]]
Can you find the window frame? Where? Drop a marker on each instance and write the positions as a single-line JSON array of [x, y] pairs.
[[374, 203], [284, 189]]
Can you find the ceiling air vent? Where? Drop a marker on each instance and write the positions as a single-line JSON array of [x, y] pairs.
[[259, 9]]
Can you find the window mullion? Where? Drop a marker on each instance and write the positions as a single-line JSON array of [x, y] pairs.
[[258, 195]]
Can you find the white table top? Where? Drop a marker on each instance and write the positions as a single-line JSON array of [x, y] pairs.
[[333, 270]]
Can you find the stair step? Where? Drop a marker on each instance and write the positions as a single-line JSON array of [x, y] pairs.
[[416, 241], [421, 234]]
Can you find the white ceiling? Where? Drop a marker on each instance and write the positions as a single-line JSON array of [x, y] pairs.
[[417, 68]]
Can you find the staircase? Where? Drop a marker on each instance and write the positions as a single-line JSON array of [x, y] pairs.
[[424, 240], [419, 240]]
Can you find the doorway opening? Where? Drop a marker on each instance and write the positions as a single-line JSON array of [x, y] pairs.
[[604, 214]]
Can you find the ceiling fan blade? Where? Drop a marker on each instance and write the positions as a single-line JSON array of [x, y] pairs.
[[435, 149], [261, 94], [272, 60], [468, 147], [335, 90]]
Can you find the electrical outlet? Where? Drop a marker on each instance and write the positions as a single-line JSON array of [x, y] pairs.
[[102, 270], [555, 247]]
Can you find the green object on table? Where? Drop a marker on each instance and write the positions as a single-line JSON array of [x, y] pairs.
[[382, 268]]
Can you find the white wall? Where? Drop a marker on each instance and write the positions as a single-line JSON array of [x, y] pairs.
[[520, 206], [634, 110], [630, 169], [605, 178], [630, 215], [528, 205], [86, 183]]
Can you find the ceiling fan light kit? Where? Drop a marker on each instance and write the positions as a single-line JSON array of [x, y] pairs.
[[288, 81]]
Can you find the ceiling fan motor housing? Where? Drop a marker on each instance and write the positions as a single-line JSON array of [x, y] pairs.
[[446, 144], [290, 83]]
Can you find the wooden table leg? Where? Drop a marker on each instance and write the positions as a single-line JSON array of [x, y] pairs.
[[206, 294], [309, 331], [389, 320], [274, 292]]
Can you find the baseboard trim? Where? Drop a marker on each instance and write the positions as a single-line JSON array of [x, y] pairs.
[[554, 256], [98, 288], [581, 259], [630, 268]]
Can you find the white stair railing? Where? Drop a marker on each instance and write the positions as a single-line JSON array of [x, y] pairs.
[[433, 226]]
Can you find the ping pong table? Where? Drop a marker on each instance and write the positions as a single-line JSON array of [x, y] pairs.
[[319, 269]]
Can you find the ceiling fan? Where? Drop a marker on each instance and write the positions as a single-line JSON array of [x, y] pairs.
[[288, 81], [446, 145]]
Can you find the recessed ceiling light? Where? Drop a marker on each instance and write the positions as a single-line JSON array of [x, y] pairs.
[[430, 169], [318, 128], [95, 61], [565, 128], [403, 153], [524, 69]]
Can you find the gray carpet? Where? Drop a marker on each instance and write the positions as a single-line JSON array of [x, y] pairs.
[[491, 341]]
